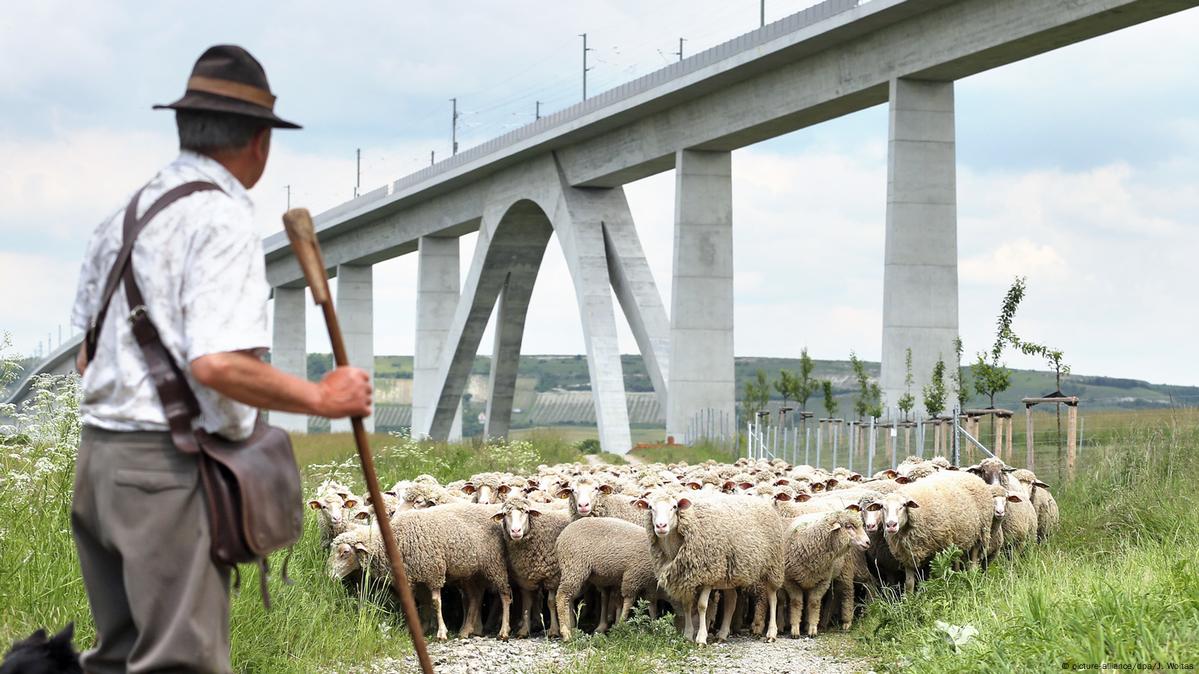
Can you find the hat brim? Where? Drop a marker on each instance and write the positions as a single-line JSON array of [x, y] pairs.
[[198, 100]]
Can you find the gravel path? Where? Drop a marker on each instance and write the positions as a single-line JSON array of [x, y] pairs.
[[521, 656]]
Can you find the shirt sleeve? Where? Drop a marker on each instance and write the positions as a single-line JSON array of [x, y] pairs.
[[224, 290], [87, 292]]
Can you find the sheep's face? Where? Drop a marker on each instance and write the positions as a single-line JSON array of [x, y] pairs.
[[872, 515], [343, 560], [1002, 497], [895, 512], [334, 508], [515, 518], [852, 526], [583, 494], [664, 512]]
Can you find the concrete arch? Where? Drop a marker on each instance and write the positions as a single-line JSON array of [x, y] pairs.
[[526, 206]]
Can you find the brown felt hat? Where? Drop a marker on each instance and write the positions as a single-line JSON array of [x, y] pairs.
[[228, 79]]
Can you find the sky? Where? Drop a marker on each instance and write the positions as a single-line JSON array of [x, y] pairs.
[[1078, 169]]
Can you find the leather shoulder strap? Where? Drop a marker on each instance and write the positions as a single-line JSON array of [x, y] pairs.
[[131, 228]]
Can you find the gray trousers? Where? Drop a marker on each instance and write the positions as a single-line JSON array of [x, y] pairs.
[[138, 515]]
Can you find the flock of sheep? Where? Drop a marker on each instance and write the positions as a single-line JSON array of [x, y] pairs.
[[736, 542]]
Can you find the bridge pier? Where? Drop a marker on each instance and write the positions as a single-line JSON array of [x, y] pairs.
[[355, 312], [289, 348], [505, 356], [920, 272], [436, 299], [701, 306]]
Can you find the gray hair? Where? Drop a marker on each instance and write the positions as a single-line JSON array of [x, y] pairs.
[[205, 131]]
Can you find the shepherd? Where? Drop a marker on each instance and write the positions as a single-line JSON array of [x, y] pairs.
[[196, 268]]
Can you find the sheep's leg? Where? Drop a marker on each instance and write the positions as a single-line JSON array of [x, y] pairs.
[[605, 595], [759, 622], [909, 579], [772, 631], [442, 632], [505, 611], [845, 587], [568, 590], [726, 622], [688, 624], [815, 599], [653, 608], [470, 600], [713, 604], [794, 599], [526, 610], [552, 602], [701, 605], [625, 607]]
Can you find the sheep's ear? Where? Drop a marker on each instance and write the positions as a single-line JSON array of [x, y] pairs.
[[605, 489], [531, 482], [911, 504], [781, 482], [1038, 483], [801, 497], [360, 547], [468, 488], [729, 485], [498, 517], [874, 507], [684, 503], [504, 489], [565, 492], [854, 507], [350, 503], [953, 467], [343, 495], [835, 526], [315, 504], [535, 513], [1009, 469], [890, 474], [830, 483], [782, 496], [1014, 498], [641, 504], [362, 516], [855, 478], [694, 486], [746, 485], [817, 486], [903, 479]]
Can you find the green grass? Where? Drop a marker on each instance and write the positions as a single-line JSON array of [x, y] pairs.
[[637, 646], [692, 454], [1119, 583]]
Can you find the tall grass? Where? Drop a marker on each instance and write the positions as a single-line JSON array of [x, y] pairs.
[[1119, 583]]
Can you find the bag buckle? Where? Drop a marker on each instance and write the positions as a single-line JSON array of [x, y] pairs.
[[136, 313]]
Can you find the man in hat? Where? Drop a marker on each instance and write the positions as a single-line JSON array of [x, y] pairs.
[[138, 516]]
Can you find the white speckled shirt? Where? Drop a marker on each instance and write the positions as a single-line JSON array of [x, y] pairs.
[[200, 267]]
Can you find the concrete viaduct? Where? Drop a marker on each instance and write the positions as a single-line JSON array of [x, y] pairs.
[[564, 174]]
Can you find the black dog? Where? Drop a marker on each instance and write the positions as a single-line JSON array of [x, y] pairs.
[[39, 655]]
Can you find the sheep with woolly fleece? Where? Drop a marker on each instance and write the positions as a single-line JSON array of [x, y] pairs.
[[439, 545], [335, 505], [715, 543], [487, 488], [817, 554], [531, 537], [590, 497], [932, 514], [1042, 501], [608, 553], [880, 563]]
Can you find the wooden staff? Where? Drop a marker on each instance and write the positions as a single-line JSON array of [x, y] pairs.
[[307, 250]]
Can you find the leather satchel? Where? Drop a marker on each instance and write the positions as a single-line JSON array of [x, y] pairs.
[[251, 486]]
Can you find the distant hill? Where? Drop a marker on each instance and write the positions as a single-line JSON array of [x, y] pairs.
[[542, 374]]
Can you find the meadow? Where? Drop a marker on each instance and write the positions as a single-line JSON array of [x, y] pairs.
[[1118, 584]]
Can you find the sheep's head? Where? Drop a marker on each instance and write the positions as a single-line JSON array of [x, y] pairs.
[[333, 507], [849, 523], [663, 508], [872, 512], [895, 509], [991, 470], [486, 488], [1001, 497], [515, 516], [583, 493], [345, 557]]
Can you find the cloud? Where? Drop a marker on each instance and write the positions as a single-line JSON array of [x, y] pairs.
[[1014, 258]]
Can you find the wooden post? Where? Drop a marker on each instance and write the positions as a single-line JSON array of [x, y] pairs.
[[1071, 439], [1010, 433], [936, 438], [998, 448], [907, 441], [1028, 435]]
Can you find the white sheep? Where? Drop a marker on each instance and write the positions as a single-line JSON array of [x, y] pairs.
[[718, 543], [608, 553], [934, 513], [531, 536], [816, 554]]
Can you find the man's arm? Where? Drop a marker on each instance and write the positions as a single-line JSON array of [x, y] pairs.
[[81, 359], [344, 392]]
